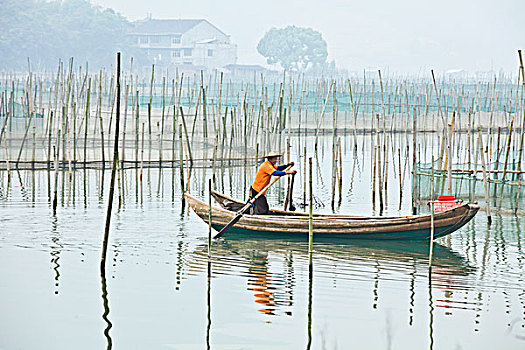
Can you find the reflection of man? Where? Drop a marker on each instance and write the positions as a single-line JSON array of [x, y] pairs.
[[260, 278], [263, 177], [274, 291]]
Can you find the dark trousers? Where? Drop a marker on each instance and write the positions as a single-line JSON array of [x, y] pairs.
[[261, 204]]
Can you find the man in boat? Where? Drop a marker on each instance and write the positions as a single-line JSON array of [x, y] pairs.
[[266, 170]]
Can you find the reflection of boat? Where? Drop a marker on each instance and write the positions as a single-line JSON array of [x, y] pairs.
[[446, 260], [377, 227], [273, 267]]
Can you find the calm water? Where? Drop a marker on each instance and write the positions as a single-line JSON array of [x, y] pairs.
[[160, 290]]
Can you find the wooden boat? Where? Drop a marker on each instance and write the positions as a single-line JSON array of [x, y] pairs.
[[279, 222]]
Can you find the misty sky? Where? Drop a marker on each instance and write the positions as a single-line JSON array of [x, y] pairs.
[[399, 36]]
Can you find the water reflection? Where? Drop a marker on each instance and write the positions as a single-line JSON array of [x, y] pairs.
[[208, 305], [105, 314], [477, 272], [310, 301], [268, 267], [430, 311], [56, 248]]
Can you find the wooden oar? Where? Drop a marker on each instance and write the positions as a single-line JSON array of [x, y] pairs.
[[290, 206], [241, 212]]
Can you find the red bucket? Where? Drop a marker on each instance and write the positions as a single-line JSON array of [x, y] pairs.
[[445, 203]]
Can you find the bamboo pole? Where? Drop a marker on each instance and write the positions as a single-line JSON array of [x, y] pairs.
[[522, 132], [374, 170], [401, 179], [55, 189], [310, 216], [7, 166], [209, 217], [186, 133], [431, 214], [113, 171], [340, 172], [86, 120], [322, 114], [507, 152], [49, 142], [24, 139], [485, 185], [181, 161], [304, 177]]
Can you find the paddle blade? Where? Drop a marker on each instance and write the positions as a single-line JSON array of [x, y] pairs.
[[229, 225]]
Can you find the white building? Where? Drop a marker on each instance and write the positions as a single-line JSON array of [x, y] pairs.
[[189, 43]]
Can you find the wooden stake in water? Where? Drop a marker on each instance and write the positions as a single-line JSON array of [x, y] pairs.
[[374, 170], [431, 213], [55, 190], [304, 177], [485, 183], [186, 133], [414, 178], [113, 170], [209, 218], [311, 213], [520, 153], [181, 161]]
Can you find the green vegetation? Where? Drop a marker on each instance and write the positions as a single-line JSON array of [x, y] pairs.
[[45, 32], [295, 48]]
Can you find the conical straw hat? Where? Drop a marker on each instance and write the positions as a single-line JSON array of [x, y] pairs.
[[272, 154]]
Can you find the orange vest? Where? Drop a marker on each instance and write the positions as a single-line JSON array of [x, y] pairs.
[[264, 174]]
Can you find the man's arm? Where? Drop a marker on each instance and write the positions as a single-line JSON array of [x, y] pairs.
[[284, 166]]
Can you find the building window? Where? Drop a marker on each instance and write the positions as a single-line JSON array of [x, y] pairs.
[[154, 39], [142, 40], [175, 39], [187, 52], [175, 53], [210, 53], [189, 63]]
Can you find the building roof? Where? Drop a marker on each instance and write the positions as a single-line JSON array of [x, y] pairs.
[[167, 26], [249, 67]]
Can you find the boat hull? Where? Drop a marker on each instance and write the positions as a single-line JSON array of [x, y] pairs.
[[279, 223]]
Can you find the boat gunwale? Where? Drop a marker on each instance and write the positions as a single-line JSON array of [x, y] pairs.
[[336, 219]]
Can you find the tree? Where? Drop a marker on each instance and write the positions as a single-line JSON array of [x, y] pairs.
[[293, 47], [46, 31]]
